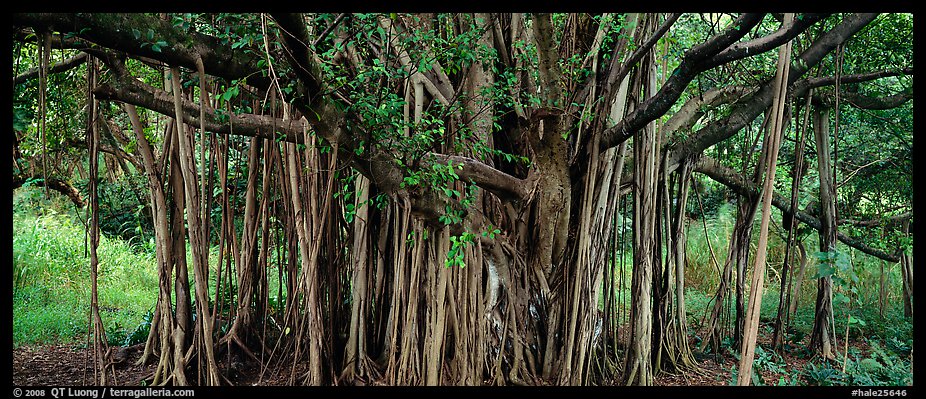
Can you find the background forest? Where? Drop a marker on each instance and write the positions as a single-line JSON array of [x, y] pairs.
[[464, 199]]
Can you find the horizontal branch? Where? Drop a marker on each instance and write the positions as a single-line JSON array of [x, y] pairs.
[[739, 184], [750, 108], [58, 67], [27, 35], [691, 65], [856, 100], [800, 87], [695, 107], [908, 215], [52, 183], [502, 184], [133, 92], [182, 48], [880, 103]]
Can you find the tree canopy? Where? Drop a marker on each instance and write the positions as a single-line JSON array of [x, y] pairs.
[[444, 196]]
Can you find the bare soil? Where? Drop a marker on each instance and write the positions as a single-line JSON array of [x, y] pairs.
[[72, 365]]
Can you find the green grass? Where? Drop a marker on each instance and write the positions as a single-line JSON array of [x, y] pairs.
[[51, 274], [51, 277]]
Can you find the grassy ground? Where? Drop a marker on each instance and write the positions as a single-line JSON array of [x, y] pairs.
[[51, 298]]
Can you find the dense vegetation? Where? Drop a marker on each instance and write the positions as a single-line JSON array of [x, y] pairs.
[[468, 198]]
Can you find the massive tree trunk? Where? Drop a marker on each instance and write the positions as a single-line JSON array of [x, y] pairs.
[[552, 202]]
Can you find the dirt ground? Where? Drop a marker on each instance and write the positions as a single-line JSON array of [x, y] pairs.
[[71, 365]]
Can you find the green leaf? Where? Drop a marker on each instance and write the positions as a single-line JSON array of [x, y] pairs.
[[840, 299], [824, 270]]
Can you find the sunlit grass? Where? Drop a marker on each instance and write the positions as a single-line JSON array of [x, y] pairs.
[[51, 276]]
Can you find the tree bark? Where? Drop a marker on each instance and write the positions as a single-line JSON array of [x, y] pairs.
[[638, 368], [198, 247], [798, 280], [797, 171], [54, 183], [906, 272], [773, 143], [821, 340], [248, 271]]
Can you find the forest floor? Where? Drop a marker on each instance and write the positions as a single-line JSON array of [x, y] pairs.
[[71, 365]]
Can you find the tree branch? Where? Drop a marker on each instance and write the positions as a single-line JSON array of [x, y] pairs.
[[855, 99], [867, 102], [500, 183], [58, 67], [739, 184], [692, 64], [328, 30], [748, 109], [618, 76], [128, 91], [694, 108], [24, 34], [53, 183], [117, 31], [765, 43], [802, 86], [908, 215]]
